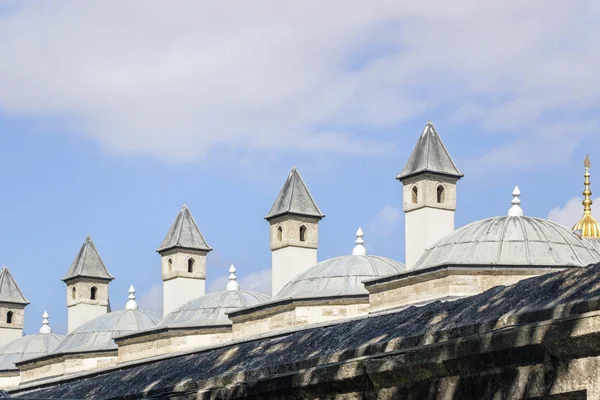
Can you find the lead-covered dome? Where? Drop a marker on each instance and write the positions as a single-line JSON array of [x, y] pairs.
[[514, 240], [30, 346], [340, 276], [99, 333], [212, 309]]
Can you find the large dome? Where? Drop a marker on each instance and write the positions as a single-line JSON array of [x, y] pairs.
[[511, 241], [211, 309], [30, 346], [98, 334]]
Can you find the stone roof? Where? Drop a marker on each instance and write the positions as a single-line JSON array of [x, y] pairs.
[[294, 198], [245, 366], [27, 347], [9, 290], [88, 263], [430, 155], [184, 233], [510, 241]]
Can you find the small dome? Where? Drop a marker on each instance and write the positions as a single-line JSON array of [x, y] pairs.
[[340, 276], [30, 346], [510, 241], [98, 334], [211, 309]]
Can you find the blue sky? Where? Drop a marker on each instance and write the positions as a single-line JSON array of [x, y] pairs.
[[107, 128]]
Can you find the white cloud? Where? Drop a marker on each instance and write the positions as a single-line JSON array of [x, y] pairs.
[[152, 299], [570, 213], [259, 281], [177, 82], [383, 227]]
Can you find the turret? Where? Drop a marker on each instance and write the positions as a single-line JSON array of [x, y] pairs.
[[429, 194], [12, 308], [294, 230], [183, 258], [87, 286]]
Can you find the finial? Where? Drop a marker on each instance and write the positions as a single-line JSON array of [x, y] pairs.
[[587, 193], [233, 284], [45, 324], [516, 210], [131, 303], [294, 168], [359, 249]]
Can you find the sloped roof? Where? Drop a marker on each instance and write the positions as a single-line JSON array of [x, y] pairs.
[[294, 198], [9, 290], [88, 263], [430, 155], [184, 233]]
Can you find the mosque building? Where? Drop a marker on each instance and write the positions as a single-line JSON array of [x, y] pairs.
[[237, 343]]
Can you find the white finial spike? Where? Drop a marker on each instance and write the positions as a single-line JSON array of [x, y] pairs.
[[45, 324], [131, 303], [233, 284], [516, 210], [360, 249]]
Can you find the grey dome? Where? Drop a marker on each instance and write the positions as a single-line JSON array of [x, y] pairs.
[[98, 334], [594, 242], [340, 276], [211, 309], [510, 241], [30, 346]]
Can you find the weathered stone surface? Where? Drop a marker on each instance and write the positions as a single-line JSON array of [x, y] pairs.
[[539, 337]]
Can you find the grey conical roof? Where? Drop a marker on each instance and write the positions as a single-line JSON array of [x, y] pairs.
[[88, 263], [294, 198], [429, 155], [9, 290], [184, 233]]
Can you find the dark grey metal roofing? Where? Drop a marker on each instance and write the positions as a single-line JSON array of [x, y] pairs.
[[339, 276], [27, 347], [429, 155], [9, 290], [211, 309], [294, 198], [569, 292], [88, 263], [523, 241], [184, 233], [98, 334]]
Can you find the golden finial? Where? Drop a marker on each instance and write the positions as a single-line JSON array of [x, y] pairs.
[[588, 226]]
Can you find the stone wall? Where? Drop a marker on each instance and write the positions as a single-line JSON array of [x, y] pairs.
[[445, 283], [299, 313], [170, 342], [9, 379], [14, 330], [65, 365]]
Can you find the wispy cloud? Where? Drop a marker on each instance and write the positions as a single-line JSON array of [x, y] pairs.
[[570, 213], [152, 299], [181, 81]]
